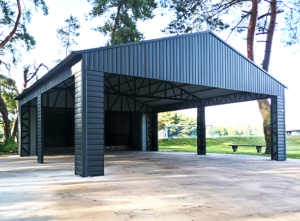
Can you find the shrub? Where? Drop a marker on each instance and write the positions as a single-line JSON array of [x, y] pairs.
[[9, 146]]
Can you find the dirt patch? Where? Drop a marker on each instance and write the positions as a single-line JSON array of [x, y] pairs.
[[152, 186]]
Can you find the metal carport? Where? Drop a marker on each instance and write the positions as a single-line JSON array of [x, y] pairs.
[[144, 78]]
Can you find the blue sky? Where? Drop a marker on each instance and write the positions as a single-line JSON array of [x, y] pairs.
[[284, 61]]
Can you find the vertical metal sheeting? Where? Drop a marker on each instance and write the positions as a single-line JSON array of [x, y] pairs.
[[201, 58], [94, 120]]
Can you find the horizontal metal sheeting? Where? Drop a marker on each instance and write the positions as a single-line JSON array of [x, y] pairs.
[[200, 58]]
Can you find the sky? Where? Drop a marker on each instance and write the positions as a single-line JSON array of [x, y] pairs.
[[284, 64]]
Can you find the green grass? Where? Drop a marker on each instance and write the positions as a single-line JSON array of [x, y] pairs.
[[220, 145]]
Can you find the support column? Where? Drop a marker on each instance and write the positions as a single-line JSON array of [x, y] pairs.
[[278, 151], [89, 122], [40, 129], [144, 132], [201, 131], [152, 136]]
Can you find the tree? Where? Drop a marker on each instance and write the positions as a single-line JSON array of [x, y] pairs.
[[28, 76], [15, 36], [258, 17], [8, 93], [122, 17], [174, 118], [68, 33]]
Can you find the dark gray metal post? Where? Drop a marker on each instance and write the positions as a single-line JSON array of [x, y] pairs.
[[152, 136], [201, 131], [40, 129], [20, 130], [278, 151], [89, 118]]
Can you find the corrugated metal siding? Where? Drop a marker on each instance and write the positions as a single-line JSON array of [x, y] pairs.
[[54, 80], [201, 59], [40, 130], [281, 129], [78, 125], [95, 123], [278, 128], [33, 131], [89, 119]]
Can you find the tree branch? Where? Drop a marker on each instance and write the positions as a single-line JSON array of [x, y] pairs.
[[11, 34], [6, 65], [267, 14]]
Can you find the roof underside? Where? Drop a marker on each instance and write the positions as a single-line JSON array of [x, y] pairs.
[[156, 92]]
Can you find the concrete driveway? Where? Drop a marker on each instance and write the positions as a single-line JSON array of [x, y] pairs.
[[152, 186]]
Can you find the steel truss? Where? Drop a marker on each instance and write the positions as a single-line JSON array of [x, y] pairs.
[[225, 99], [25, 130], [152, 136], [119, 88], [56, 92]]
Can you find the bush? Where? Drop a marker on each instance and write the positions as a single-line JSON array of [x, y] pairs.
[[9, 146]]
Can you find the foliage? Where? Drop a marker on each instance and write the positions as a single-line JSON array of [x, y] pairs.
[[174, 118], [241, 129], [199, 15], [221, 145], [11, 52], [9, 146], [291, 29], [9, 92], [122, 16], [68, 33]]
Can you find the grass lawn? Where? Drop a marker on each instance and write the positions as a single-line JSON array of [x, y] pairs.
[[220, 145]]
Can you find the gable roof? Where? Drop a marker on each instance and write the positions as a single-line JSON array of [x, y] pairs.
[[199, 58]]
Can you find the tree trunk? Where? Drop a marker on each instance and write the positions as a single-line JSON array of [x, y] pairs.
[[116, 23], [4, 113], [251, 30], [264, 105], [14, 128], [11, 34]]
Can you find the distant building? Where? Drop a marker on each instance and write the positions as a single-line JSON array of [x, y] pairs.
[[292, 132]]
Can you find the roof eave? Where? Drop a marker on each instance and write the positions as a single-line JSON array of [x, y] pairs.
[[49, 74]]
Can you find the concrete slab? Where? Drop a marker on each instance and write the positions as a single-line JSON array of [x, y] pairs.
[[152, 186]]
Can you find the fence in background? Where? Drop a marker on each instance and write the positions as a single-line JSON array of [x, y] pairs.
[[189, 131]]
